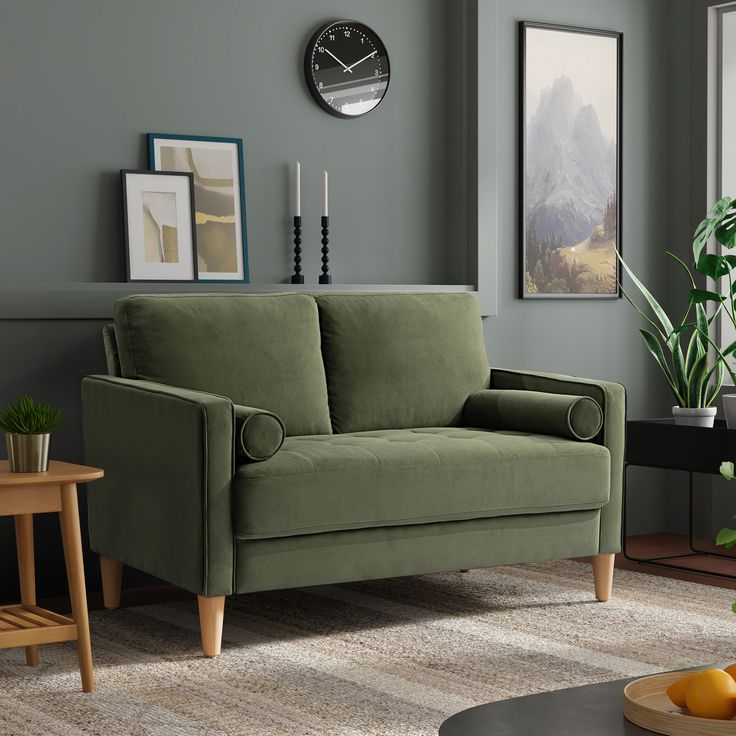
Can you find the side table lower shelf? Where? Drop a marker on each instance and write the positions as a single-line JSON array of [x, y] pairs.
[[662, 444], [26, 625]]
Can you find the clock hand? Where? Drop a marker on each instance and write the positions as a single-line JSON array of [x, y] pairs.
[[360, 61], [345, 68]]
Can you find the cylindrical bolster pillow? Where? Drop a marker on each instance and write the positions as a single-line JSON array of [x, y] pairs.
[[564, 415], [258, 434]]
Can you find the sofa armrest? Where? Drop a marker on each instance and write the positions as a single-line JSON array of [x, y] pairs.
[[164, 505], [611, 397]]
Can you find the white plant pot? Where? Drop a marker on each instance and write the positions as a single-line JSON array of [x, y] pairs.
[[729, 409], [694, 417]]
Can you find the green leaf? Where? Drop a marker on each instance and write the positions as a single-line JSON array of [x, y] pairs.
[[733, 606], [695, 381], [641, 312], [712, 265], [726, 538], [694, 351], [698, 296], [656, 350], [702, 326], [689, 275], [707, 227], [719, 371], [678, 364], [727, 470], [653, 303], [726, 232]]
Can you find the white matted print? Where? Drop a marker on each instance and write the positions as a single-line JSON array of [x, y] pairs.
[[160, 236], [219, 202]]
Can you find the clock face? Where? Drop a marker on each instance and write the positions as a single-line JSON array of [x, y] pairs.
[[347, 69]]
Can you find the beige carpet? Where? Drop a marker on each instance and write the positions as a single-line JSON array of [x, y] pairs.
[[390, 657]]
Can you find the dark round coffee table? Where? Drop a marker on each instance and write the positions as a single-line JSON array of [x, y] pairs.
[[591, 710]]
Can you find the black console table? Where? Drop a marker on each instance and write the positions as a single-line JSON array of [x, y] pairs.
[[660, 443]]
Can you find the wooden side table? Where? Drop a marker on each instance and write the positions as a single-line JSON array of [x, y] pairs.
[[27, 625]]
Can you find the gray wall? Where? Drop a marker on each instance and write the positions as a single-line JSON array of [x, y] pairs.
[[81, 94], [89, 79]]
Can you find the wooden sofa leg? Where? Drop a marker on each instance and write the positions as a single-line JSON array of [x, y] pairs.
[[603, 576], [112, 578], [211, 613]]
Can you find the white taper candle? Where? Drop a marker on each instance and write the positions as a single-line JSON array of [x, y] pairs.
[[298, 191], [325, 195]]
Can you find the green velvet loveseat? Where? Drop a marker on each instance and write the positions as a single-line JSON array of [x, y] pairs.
[[274, 441]]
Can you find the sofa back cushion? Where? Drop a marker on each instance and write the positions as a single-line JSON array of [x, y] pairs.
[[396, 361], [261, 351]]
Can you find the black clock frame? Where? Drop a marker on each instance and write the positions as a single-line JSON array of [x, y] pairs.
[[309, 77]]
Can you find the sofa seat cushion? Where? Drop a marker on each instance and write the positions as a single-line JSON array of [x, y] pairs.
[[324, 483]]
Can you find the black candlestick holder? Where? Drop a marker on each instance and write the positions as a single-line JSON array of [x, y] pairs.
[[324, 277], [298, 277]]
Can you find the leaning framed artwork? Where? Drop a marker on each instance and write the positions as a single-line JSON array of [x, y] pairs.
[[570, 160], [219, 198], [160, 236]]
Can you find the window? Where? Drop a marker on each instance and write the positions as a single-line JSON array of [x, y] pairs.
[[723, 73], [727, 100]]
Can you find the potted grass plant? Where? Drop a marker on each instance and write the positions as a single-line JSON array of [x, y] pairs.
[[681, 351], [28, 426], [693, 364]]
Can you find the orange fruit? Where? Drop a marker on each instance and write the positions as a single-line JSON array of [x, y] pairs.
[[731, 669], [677, 690], [711, 694]]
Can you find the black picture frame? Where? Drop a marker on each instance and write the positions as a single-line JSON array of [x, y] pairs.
[[524, 26], [124, 174]]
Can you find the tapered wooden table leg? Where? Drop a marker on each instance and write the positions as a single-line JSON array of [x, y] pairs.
[[26, 571], [72, 537]]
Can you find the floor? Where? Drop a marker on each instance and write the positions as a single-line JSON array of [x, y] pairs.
[[661, 545], [388, 657]]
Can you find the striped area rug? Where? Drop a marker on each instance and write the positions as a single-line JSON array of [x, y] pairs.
[[383, 658]]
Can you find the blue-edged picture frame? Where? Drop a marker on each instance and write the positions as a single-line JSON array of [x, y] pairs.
[[216, 164]]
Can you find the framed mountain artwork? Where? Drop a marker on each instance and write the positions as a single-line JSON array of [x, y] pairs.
[[570, 180]]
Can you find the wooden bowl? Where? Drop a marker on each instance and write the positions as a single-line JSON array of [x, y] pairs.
[[646, 704]]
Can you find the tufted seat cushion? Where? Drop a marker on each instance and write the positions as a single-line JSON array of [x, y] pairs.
[[322, 483]]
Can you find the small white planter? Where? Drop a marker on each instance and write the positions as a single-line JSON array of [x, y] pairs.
[[694, 417], [729, 409]]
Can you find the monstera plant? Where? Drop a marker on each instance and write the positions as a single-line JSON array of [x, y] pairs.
[[693, 364], [719, 223]]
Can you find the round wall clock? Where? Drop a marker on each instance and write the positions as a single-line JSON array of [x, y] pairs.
[[347, 68]]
